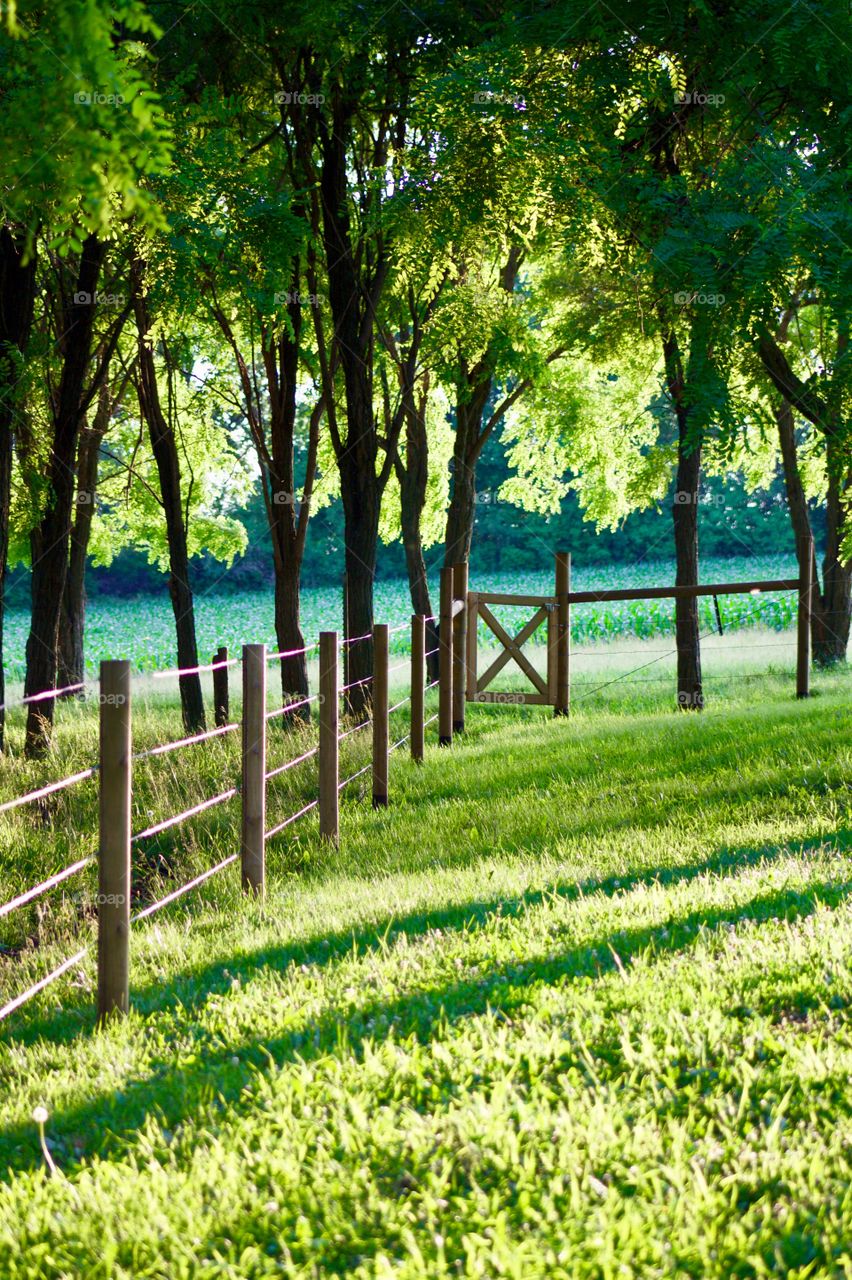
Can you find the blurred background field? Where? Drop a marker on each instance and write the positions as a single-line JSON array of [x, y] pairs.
[[142, 629]]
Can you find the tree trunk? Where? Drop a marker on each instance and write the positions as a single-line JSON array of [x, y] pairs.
[[473, 392], [832, 605], [361, 524], [287, 518], [357, 455], [830, 647], [690, 696], [470, 407], [17, 297], [288, 633], [49, 539], [72, 666], [166, 457], [413, 478], [685, 514]]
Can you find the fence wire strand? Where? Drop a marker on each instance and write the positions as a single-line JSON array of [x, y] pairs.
[[49, 789], [292, 818], [185, 888], [353, 776], [27, 995], [194, 671], [44, 696], [178, 743], [353, 684], [291, 764], [292, 653], [365, 724], [181, 817], [49, 883], [292, 706]]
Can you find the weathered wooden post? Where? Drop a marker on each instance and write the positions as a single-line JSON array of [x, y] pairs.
[[563, 634], [114, 842], [381, 737], [459, 643], [345, 590], [252, 848], [221, 694], [329, 771], [418, 685], [445, 656], [803, 646], [471, 645]]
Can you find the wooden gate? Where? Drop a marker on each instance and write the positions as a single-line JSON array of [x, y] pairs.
[[462, 609], [477, 685], [550, 689]]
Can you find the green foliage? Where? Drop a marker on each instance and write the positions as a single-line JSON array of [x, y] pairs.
[[215, 480], [595, 430], [82, 125]]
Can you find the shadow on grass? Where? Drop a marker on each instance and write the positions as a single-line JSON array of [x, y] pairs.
[[323, 949], [630, 796], [106, 1124]]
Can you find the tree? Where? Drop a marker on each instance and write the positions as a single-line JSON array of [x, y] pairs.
[[72, 664], [82, 124], [17, 299], [239, 249], [819, 399], [162, 432]]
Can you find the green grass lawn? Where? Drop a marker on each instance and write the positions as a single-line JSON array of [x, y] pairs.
[[576, 1005]]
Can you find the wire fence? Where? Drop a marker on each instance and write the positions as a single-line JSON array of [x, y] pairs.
[[201, 807], [251, 789], [626, 677]]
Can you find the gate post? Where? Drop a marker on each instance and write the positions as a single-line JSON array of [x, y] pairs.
[[472, 646], [803, 646], [418, 684], [459, 643], [445, 655], [563, 634]]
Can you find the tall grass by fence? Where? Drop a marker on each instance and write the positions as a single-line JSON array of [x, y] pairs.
[[114, 770]]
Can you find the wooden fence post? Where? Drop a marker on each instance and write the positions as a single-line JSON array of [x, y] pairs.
[[114, 843], [380, 715], [221, 698], [253, 847], [471, 645], [459, 644], [445, 656], [563, 634], [345, 586], [329, 773], [418, 685], [803, 647]]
